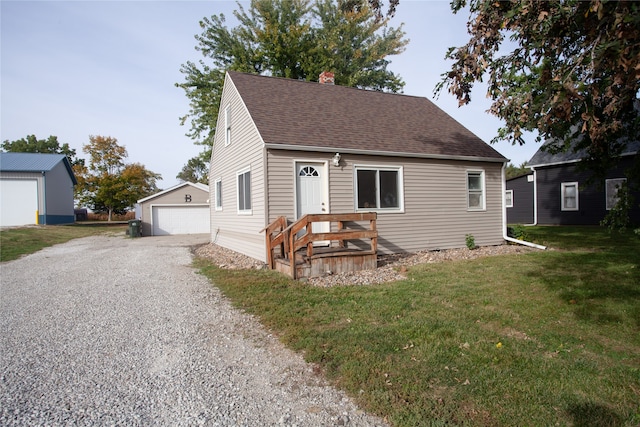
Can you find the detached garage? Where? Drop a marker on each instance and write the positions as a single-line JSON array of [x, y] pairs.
[[36, 188], [183, 209]]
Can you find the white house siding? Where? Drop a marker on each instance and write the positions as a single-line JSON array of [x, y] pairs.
[[435, 199], [239, 232]]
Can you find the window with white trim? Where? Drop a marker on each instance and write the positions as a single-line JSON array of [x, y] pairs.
[[570, 196], [475, 190], [378, 188], [227, 125], [612, 186], [218, 194], [508, 198], [244, 191]]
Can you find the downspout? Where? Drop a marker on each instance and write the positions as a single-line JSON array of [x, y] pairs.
[[504, 217]]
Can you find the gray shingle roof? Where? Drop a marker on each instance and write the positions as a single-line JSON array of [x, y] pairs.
[[542, 157], [336, 118], [33, 162]]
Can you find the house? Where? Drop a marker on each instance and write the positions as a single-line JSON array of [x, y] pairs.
[[519, 199], [286, 148], [562, 193], [36, 188], [181, 209]]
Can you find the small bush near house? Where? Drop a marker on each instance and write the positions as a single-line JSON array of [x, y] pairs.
[[470, 241], [517, 231]]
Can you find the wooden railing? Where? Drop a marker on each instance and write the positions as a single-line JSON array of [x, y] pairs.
[[291, 238]]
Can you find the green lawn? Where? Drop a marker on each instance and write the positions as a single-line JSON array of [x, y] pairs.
[[15, 242], [543, 338]]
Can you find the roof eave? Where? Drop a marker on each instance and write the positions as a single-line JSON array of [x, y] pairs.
[[276, 146]]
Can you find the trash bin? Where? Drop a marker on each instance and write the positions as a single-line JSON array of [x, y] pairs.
[[134, 228]]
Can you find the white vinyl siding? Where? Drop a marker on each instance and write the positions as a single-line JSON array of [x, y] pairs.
[[434, 216], [569, 196], [240, 233], [475, 191], [611, 188]]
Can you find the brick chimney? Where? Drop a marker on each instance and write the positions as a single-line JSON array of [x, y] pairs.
[[326, 78]]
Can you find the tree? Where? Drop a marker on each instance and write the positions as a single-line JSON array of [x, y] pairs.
[[295, 39], [196, 170], [109, 184], [570, 71], [513, 171], [31, 144]]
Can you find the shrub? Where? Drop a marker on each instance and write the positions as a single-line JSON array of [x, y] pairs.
[[517, 231], [470, 241]]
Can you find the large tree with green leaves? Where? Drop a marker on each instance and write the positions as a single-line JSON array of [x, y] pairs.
[[109, 184], [31, 144], [295, 39], [569, 70]]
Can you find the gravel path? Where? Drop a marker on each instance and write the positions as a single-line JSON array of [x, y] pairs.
[[116, 331]]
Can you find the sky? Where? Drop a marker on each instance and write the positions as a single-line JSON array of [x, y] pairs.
[[78, 68]]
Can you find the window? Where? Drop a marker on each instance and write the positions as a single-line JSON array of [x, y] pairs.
[[475, 190], [378, 188], [569, 194], [218, 194], [612, 186], [227, 125], [244, 191], [508, 198]]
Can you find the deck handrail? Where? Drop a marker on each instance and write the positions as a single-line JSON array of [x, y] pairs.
[[289, 240]]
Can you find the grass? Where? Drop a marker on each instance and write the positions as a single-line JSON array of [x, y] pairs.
[[16, 242], [543, 338]]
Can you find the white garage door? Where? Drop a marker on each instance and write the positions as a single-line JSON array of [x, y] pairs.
[[180, 220], [18, 201]]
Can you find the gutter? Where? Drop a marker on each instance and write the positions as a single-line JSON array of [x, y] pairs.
[[504, 218]]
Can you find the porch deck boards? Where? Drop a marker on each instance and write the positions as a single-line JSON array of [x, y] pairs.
[[328, 261]]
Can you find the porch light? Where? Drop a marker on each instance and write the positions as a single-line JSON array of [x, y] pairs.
[[336, 160]]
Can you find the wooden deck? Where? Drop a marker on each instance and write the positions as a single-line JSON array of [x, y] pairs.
[[346, 251]]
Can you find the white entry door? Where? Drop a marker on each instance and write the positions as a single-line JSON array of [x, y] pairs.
[[312, 197]]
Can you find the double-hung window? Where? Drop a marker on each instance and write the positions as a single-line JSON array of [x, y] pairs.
[[475, 190], [218, 194], [244, 191], [569, 196], [612, 186], [227, 125], [508, 199], [378, 188]]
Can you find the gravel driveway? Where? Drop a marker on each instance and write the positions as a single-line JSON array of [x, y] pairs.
[[117, 331]]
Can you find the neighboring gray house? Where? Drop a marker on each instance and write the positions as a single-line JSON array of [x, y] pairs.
[[181, 209], [36, 189], [287, 148], [559, 192]]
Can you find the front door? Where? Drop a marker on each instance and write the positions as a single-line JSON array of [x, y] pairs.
[[311, 197]]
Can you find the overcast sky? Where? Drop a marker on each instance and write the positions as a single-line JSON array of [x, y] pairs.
[[79, 68]]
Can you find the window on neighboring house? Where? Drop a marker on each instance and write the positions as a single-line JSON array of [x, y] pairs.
[[569, 193], [218, 194], [475, 190], [378, 188], [227, 125], [244, 191], [612, 186], [508, 198]]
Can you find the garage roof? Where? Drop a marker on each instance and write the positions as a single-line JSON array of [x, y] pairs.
[[197, 185], [34, 162]]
